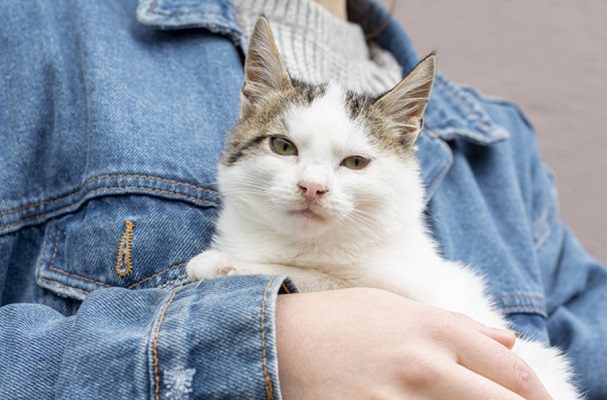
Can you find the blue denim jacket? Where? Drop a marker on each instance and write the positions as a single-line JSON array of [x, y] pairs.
[[112, 119]]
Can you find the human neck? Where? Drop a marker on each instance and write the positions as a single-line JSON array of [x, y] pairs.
[[335, 7]]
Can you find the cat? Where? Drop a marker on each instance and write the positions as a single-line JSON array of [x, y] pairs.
[[322, 184]]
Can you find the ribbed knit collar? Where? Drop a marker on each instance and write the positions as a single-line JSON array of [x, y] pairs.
[[318, 47], [313, 21]]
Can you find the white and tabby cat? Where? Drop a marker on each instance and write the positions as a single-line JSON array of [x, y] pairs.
[[322, 184]]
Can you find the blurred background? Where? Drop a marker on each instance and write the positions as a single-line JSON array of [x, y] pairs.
[[548, 56]]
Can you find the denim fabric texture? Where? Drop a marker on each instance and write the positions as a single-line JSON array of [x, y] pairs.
[[112, 120]]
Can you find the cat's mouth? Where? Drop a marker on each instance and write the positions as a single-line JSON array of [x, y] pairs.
[[309, 214]]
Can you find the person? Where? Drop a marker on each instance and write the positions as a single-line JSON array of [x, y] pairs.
[[112, 120]]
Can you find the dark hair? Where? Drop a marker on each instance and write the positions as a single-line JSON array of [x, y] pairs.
[[359, 11]]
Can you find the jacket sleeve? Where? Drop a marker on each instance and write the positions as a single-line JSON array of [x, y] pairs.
[[210, 339], [575, 283]]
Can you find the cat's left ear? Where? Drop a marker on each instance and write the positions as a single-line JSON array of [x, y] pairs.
[[405, 104], [264, 71]]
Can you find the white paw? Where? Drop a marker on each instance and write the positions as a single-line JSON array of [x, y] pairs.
[[208, 265]]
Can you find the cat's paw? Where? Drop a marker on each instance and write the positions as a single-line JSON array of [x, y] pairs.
[[208, 265]]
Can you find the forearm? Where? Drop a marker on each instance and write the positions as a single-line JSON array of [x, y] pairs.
[[213, 340]]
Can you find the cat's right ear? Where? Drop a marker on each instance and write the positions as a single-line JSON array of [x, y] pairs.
[[264, 71], [406, 103]]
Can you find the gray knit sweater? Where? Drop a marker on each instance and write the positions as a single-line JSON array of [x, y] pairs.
[[317, 47]]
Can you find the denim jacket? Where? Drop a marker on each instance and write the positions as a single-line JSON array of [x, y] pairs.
[[112, 119]]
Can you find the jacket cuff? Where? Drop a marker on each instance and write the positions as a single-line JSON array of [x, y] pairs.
[[216, 339]]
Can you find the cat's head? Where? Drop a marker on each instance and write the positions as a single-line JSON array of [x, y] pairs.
[[306, 160]]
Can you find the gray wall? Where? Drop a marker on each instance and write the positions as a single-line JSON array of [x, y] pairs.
[[550, 57]]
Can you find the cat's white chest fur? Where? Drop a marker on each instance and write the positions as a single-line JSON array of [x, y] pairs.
[[406, 264], [322, 184], [422, 277]]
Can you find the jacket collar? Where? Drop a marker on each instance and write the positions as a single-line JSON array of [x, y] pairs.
[[217, 16], [453, 112]]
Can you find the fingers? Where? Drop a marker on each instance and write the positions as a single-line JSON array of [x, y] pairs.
[[462, 384], [489, 359], [504, 336]]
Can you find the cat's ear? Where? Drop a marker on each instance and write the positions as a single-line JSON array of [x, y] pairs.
[[405, 104], [263, 70]]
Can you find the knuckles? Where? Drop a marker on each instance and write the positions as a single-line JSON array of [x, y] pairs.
[[420, 367], [441, 327]]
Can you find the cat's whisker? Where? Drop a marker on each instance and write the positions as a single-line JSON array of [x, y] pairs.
[[370, 230], [361, 219]]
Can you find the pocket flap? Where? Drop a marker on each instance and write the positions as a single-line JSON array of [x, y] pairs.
[[133, 242]]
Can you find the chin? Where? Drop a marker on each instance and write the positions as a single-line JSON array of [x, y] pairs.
[[302, 224], [308, 215]]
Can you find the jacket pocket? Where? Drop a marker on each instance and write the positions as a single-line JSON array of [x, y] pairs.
[[133, 241]]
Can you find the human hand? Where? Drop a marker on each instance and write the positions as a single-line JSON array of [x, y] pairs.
[[371, 344]]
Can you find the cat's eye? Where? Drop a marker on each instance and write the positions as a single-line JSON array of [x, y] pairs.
[[282, 146], [355, 162]]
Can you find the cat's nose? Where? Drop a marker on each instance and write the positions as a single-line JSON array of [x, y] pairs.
[[312, 191]]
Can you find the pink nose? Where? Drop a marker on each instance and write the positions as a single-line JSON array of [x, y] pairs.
[[311, 191]]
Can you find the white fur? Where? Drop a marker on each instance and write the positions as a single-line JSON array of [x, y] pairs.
[[370, 233]]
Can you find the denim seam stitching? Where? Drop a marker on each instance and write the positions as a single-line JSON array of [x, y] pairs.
[[528, 309], [267, 378], [520, 297], [531, 306], [180, 14], [459, 99], [54, 268], [126, 188], [517, 307], [54, 282], [237, 35], [56, 247], [152, 9], [164, 271], [156, 344], [100, 177]]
